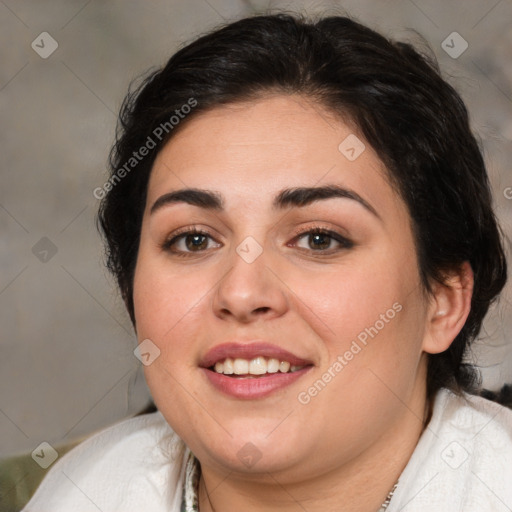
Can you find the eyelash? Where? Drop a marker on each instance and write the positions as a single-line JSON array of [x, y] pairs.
[[345, 243]]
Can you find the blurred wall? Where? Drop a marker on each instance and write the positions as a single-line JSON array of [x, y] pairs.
[[67, 366]]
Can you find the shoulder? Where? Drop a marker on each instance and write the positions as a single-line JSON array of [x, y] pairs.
[[136, 464], [463, 460], [473, 416]]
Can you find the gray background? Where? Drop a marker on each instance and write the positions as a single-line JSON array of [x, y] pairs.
[[67, 366]]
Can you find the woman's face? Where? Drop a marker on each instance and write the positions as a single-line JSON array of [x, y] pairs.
[[343, 306]]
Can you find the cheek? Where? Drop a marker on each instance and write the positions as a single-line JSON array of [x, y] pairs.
[[371, 316], [169, 311], [166, 301], [351, 299]]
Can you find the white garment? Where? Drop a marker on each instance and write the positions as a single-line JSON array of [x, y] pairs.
[[463, 462]]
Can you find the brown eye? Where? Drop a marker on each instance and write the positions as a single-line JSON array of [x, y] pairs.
[[189, 242], [193, 242], [322, 240], [319, 241]]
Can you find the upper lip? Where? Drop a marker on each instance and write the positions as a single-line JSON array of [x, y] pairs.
[[250, 351]]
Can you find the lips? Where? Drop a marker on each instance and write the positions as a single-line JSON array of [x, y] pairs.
[[250, 351], [246, 386]]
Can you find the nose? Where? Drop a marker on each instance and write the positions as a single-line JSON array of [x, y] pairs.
[[250, 290]]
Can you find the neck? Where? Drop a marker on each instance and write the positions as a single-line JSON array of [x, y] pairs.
[[360, 485]]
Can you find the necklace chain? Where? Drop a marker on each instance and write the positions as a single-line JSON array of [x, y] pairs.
[[386, 503]]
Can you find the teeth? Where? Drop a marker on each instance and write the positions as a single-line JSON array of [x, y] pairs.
[[257, 366], [241, 366], [284, 366], [228, 367], [273, 366]]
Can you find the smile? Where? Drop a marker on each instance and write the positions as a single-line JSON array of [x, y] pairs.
[[257, 366], [251, 370]]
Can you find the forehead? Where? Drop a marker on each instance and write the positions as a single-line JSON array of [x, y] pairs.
[[250, 150]]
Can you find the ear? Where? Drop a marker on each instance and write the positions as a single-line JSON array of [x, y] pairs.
[[449, 308]]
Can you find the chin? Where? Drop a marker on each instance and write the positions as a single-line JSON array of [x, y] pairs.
[[254, 449]]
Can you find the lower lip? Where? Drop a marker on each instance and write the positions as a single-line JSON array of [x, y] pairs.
[[252, 388]]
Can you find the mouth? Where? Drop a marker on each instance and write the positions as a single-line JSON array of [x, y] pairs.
[[251, 371], [254, 368]]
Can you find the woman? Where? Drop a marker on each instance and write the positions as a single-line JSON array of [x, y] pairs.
[[300, 223]]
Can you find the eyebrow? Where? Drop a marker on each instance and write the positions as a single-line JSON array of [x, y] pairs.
[[297, 197]]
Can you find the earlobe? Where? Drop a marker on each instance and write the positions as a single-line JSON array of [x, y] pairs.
[[449, 309]]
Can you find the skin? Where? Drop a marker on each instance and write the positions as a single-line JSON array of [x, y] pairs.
[[345, 449]]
